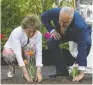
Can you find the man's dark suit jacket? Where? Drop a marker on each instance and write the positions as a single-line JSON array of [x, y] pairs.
[[78, 31]]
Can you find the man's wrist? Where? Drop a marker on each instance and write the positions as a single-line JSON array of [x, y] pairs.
[[81, 72]]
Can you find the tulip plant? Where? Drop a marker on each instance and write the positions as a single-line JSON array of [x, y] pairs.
[[30, 60], [75, 70]]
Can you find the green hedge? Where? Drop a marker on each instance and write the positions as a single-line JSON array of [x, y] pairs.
[[13, 11]]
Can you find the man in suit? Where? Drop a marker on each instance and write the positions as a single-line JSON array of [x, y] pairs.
[[67, 25]]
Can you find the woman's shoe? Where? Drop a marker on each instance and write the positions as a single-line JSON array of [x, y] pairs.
[[11, 72]]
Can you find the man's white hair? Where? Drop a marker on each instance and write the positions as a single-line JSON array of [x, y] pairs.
[[68, 10]]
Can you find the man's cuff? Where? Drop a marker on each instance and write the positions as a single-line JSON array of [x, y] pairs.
[[52, 31], [81, 68]]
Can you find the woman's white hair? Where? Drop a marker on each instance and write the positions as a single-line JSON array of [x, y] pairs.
[[68, 10]]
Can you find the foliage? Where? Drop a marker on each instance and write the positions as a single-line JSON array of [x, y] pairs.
[[5, 33], [13, 12], [70, 3], [65, 46]]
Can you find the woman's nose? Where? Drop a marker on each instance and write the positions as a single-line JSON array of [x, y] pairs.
[[61, 24]]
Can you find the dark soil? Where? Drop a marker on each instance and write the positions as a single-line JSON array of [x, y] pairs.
[[46, 70]]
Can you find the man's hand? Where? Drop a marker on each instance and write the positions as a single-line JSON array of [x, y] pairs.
[[55, 35], [79, 76], [38, 77]]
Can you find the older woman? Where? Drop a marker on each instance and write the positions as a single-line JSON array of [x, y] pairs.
[[18, 39]]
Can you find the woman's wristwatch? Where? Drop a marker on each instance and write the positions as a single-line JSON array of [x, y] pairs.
[[38, 68]]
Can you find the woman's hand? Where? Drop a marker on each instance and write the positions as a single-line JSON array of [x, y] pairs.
[[26, 75], [38, 77]]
